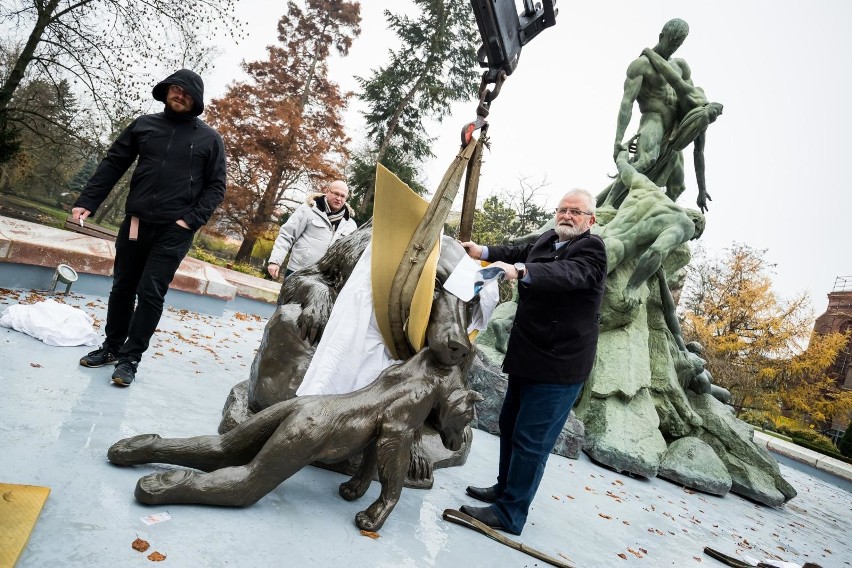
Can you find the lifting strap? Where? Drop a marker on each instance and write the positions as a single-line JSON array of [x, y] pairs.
[[423, 240]]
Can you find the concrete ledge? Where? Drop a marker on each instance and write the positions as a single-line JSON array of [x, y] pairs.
[[252, 287], [37, 245], [25, 243], [804, 455]]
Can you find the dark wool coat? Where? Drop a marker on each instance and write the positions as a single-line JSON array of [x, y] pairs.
[[555, 333], [181, 169]]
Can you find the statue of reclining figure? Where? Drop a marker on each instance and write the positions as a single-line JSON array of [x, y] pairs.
[[305, 304], [252, 459]]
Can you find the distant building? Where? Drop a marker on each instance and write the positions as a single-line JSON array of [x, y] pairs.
[[838, 317]]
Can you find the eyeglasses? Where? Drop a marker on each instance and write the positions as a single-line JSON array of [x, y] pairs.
[[573, 211], [338, 195]]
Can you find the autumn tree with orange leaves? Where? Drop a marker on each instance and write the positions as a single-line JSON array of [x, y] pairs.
[[757, 345], [283, 126]]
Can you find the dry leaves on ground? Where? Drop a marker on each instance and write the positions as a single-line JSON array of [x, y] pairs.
[[156, 557], [140, 545], [370, 534]]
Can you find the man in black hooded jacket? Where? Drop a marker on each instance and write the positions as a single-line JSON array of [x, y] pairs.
[[178, 182]]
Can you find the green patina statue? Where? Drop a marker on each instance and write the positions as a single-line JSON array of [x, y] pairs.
[[675, 114]]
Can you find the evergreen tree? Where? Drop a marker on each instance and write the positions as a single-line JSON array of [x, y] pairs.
[[78, 182], [844, 445], [433, 66]]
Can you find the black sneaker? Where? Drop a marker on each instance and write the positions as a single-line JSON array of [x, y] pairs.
[[99, 357], [124, 372]]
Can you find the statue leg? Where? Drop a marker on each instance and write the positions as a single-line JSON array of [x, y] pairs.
[[651, 132], [360, 482], [420, 463], [393, 451], [287, 451], [236, 447]]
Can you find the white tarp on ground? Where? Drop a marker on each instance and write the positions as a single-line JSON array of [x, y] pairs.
[[51, 322]]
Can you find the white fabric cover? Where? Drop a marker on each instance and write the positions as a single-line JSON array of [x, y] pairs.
[[351, 332], [51, 322]]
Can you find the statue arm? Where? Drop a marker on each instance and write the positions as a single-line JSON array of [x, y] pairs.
[[680, 82], [628, 174], [698, 160], [669, 309], [632, 86]]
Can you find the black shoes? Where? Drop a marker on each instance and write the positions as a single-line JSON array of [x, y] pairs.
[[484, 515], [124, 372], [487, 494], [125, 369], [99, 357]]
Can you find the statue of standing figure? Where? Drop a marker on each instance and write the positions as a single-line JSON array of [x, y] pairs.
[[675, 113]]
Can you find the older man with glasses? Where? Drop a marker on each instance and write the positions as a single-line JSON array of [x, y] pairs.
[[311, 229], [551, 351]]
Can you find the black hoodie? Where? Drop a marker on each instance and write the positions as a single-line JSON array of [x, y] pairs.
[[181, 169]]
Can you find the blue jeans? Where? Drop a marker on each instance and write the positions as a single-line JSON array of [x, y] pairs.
[[531, 420]]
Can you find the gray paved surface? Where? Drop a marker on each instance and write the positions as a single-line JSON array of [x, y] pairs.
[[57, 420]]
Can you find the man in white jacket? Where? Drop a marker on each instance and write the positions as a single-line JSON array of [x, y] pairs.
[[311, 229]]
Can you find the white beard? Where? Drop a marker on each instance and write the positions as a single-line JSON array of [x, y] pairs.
[[565, 232]]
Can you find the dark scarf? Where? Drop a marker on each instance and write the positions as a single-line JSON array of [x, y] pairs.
[[334, 218]]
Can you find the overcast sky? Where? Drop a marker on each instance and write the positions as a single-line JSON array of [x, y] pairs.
[[776, 159]]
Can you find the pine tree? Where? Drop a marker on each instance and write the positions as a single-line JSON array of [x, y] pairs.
[[844, 445], [433, 67]]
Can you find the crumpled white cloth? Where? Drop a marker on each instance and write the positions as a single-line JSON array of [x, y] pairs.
[[51, 322]]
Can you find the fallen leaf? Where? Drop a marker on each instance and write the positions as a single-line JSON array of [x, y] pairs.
[[604, 516], [370, 534], [140, 545], [36, 365], [625, 522], [697, 558], [622, 556], [635, 553], [7, 496], [156, 557]]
